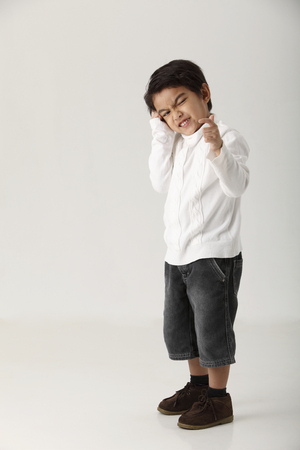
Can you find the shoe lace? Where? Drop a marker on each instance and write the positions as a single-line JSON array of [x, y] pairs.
[[182, 392], [204, 402], [203, 397]]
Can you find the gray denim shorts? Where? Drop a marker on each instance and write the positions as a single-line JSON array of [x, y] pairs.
[[200, 308]]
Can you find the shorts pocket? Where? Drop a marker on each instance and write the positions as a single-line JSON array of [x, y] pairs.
[[237, 274], [217, 269]]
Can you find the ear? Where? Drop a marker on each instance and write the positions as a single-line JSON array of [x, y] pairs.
[[205, 91]]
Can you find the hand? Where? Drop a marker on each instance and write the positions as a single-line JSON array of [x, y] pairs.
[[155, 114], [211, 134]]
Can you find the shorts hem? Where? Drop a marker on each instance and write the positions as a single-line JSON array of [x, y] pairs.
[[215, 364], [183, 356]]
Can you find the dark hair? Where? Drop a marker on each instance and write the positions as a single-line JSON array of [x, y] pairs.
[[179, 72]]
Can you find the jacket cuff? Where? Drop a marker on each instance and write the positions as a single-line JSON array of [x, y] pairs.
[[157, 125], [212, 156]]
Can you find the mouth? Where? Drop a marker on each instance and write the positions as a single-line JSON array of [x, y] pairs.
[[184, 123]]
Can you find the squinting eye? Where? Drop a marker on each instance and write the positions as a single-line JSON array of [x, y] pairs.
[[165, 114]]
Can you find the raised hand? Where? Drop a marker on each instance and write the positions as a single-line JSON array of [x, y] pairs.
[[211, 134], [155, 114]]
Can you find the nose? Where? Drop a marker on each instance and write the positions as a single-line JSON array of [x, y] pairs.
[[177, 115]]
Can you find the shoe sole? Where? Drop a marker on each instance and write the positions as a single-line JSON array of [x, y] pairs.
[[209, 425], [171, 413]]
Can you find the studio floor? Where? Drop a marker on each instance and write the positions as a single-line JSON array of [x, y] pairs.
[[95, 385]]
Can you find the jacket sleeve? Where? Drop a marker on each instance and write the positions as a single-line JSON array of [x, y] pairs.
[[161, 157], [230, 166]]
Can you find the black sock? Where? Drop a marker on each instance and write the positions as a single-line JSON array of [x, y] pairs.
[[199, 380], [216, 392]]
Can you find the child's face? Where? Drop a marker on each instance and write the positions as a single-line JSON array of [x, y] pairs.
[[181, 108]]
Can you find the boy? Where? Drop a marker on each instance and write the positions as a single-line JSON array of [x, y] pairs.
[[201, 165]]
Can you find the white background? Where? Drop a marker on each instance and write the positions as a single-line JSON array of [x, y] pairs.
[[82, 360], [81, 232]]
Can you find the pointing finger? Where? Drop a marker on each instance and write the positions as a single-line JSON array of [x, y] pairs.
[[209, 121]]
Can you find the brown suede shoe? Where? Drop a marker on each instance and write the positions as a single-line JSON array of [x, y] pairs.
[[208, 412], [182, 400]]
